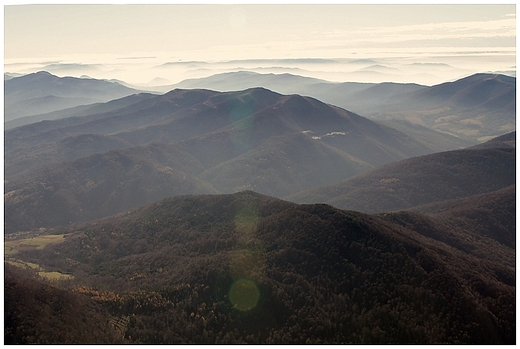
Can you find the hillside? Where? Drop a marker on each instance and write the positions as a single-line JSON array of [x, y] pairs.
[[284, 164], [208, 142], [42, 92], [491, 214], [433, 139], [478, 107], [505, 141], [419, 181], [246, 268], [81, 110], [484, 90], [37, 313], [99, 185]]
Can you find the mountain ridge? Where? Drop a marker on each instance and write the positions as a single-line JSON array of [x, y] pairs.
[[407, 183], [40, 86], [451, 107]]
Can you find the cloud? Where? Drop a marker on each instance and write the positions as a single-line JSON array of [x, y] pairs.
[[505, 28]]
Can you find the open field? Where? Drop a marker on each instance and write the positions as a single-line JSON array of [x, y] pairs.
[[54, 275], [12, 247]]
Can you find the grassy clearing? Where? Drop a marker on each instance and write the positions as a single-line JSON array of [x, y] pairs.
[[54, 275], [9, 250], [21, 264], [17, 264], [12, 247]]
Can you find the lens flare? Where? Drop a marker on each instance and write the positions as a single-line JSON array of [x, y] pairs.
[[244, 295], [246, 220], [247, 263], [242, 135], [247, 260]]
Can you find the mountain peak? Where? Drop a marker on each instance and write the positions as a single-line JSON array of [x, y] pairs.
[[38, 75], [487, 76], [42, 73], [259, 91]]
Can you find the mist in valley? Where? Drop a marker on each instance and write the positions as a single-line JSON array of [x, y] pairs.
[[260, 174]]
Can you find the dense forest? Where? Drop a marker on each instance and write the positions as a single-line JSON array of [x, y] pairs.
[[247, 268], [37, 313]]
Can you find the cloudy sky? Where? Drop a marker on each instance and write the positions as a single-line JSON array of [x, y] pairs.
[[129, 35]]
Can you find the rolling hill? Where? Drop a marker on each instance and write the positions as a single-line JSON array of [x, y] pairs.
[[478, 107], [37, 313], [505, 141], [99, 185], [246, 268], [42, 92], [82, 110], [492, 214], [419, 181]]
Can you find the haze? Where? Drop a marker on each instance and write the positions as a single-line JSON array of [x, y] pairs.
[[164, 44]]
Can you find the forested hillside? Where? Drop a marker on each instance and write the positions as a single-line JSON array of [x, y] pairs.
[[420, 181], [243, 267], [246, 268], [86, 167], [36, 313]]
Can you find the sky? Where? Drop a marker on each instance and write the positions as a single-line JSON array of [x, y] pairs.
[[131, 41]]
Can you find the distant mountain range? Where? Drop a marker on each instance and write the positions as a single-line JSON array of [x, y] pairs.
[[81, 110], [43, 92], [477, 108]]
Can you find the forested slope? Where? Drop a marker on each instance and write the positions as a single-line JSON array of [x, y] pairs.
[[246, 268], [420, 181]]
